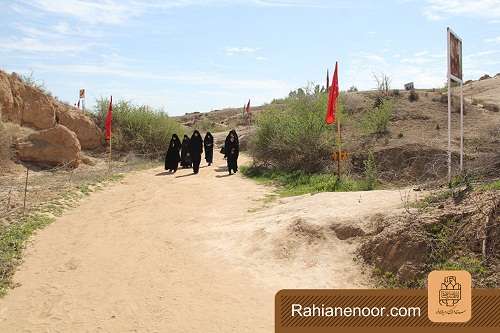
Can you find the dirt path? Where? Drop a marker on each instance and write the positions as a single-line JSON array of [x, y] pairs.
[[164, 253]]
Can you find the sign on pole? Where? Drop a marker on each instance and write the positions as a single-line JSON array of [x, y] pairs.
[[409, 86], [455, 73], [82, 98]]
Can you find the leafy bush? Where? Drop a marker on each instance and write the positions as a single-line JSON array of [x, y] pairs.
[[293, 135], [138, 128], [377, 120]]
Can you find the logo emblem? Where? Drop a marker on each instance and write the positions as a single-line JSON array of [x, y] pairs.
[[451, 291], [449, 296]]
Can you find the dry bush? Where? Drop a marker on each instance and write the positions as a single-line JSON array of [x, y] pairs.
[[413, 96], [353, 103], [491, 107]]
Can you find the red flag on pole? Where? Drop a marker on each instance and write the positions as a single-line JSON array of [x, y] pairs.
[[248, 107], [332, 98], [109, 118]]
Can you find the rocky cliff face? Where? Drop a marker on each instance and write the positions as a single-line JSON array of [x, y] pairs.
[[29, 106]]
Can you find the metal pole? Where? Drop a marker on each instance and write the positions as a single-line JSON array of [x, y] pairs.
[[461, 126], [340, 145], [449, 129], [25, 190], [449, 104]]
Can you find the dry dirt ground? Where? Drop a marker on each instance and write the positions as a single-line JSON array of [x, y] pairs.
[[180, 253]]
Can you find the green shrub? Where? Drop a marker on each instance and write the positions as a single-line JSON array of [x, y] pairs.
[[293, 135], [377, 120], [138, 128]]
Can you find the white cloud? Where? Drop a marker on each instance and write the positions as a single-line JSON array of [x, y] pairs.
[[32, 45], [440, 9], [493, 40], [119, 11], [230, 51]]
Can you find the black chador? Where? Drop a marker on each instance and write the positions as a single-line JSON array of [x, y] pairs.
[[232, 150], [208, 142], [233, 133], [172, 158], [196, 148], [185, 153]]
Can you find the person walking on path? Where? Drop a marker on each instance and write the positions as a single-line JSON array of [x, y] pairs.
[[196, 149], [172, 158], [232, 150], [208, 142], [185, 153]]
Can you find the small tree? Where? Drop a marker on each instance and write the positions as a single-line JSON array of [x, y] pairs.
[[383, 83]]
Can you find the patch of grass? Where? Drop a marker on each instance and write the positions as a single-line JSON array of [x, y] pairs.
[[299, 183], [466, 263], [12, 243], [494, 185]]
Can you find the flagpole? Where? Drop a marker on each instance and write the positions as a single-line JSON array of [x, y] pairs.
[[339, 135]]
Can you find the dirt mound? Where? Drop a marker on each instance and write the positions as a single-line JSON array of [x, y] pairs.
[[411, 162], [457, 230]]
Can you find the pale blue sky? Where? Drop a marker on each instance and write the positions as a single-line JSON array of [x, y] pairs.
[[193, 55]]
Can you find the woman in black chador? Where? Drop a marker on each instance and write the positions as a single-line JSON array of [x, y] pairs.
[[233, 133], [172, 158], [185, 153], [196, 148], [232, 150], [208, 142]]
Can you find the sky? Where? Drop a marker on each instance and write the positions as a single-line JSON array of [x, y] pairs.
[[196, 56]]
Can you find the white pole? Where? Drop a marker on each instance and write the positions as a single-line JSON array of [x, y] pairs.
[[461, 127], [449, 129], [449, 105]]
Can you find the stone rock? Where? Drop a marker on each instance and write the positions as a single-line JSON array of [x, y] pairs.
[[25, 105], [51, 147], [89, 135], [7, 100]]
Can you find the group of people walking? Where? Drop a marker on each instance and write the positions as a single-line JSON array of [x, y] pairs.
[[188, 153]]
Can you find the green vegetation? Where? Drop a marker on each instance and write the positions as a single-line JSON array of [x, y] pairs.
[[138, 128], [494, 185], [292, 183], [12, 240], [377, 120], [292, 134]]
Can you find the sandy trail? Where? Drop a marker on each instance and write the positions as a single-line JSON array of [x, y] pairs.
[[165, 253]]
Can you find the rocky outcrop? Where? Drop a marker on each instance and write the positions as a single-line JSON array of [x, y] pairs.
[[89, 135], [55, 146], [30, 106]]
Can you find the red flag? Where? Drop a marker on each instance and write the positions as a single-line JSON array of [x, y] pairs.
[[109, 118], [248, 107], [332, 98]]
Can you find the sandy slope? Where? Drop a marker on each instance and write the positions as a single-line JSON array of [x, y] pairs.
[[164, 253]]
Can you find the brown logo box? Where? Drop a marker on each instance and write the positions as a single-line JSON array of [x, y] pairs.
[[313, 311]]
